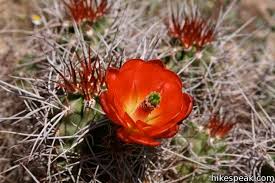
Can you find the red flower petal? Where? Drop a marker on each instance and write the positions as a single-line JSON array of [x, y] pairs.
[[130, 137], [141, 139], [162, 126], [115, 113], [108, 107], [169, 133]]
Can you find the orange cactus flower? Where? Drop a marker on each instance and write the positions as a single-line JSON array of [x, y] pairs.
[[217, 128], [145, 100], [192, 30], [89, 10]]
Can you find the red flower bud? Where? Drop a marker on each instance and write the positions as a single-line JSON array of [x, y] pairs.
[[86, 80], [191, 30], [88, 10], [218, 128]]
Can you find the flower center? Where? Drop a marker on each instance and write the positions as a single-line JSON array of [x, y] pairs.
[[150, 102]]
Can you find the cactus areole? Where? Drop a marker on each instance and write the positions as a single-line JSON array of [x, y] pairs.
[[145, 100]]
